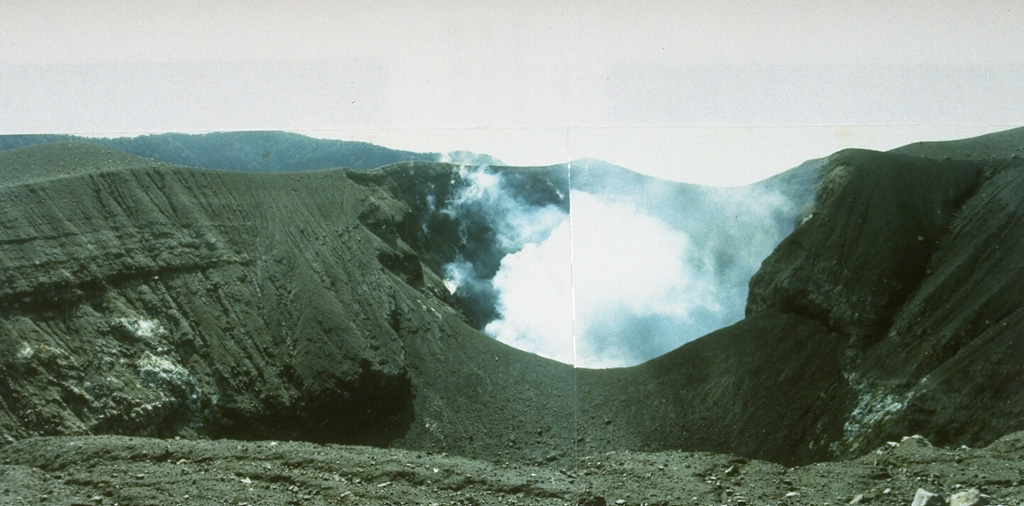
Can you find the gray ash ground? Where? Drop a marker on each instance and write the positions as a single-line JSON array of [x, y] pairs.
[[109, 470]]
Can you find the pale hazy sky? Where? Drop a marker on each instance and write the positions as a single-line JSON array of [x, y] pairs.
[[714, 92]]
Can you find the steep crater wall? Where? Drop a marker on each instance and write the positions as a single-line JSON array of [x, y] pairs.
[[171, 301], [912, 264], [146, 299]]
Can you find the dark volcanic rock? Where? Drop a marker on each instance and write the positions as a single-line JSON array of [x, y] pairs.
[[770, 386], [146, 299], [926, 498], [160, 301], [915, 264], [132, 470], [140, 298], [954, 349], [997, 145], [877, 213]]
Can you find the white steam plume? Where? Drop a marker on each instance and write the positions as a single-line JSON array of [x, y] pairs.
[[652, 270], [535, 298], [486, 205]]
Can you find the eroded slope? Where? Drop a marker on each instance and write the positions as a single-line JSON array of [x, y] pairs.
[[166, 301], [153, 300], [914, 265], [894, 309]]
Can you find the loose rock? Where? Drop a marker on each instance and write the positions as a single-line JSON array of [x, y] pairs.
[[926, 498], [970, 497], [591, 499]]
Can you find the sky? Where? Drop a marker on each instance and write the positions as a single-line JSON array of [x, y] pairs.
[[722, 93]]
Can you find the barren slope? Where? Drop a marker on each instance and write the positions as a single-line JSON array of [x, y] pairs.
[[894, 309], [144, 299], [167, 301], [129, 471]]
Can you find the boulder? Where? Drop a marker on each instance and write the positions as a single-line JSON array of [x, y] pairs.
[[970, 497], [926, 498]]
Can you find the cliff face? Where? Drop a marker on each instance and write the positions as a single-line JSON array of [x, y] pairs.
[[878, 221], [165, 301], [770, 386], [915, 267], [158, 301], [954, 352], [142, 298], [893, 309]]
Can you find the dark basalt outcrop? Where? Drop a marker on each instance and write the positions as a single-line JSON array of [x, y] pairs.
[[915, 265], [878, 221], [156, 300], [895, 308], [146, 299]]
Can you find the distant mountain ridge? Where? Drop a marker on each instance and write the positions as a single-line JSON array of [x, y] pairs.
[[258, 151]]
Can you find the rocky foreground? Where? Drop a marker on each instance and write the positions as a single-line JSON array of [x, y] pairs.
[[108, 470]]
